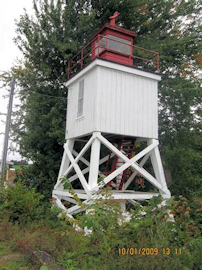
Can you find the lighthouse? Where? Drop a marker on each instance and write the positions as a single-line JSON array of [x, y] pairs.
[[112, 121]]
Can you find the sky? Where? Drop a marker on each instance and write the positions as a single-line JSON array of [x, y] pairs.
[[9, 11]]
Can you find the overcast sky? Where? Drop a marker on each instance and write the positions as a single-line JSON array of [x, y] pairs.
[[9, 11]]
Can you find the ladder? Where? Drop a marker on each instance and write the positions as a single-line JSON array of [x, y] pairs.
[[127, 148]]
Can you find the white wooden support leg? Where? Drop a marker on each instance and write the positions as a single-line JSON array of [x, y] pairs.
[[123, 206], [158, 168], [78, 171], [94, 162], [64, 164]]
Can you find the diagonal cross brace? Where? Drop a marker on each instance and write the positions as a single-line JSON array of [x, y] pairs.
[[85, 161], [86, 170], [130, 162], [141, 164], [78, 170], [82, 152]]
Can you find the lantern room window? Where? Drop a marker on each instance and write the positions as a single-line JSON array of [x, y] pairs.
[[118, 44], [113, 43]]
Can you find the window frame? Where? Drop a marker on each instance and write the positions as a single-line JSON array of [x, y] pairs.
[[80, 99]]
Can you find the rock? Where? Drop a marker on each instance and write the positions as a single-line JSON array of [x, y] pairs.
[[43, 258]]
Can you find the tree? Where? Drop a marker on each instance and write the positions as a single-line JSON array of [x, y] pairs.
[[60, 28], [47, 41]]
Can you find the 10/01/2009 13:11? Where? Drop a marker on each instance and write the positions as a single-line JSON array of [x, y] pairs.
[[149, 251]]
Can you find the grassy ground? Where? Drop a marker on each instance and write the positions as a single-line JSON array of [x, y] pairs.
[[19, 167], [28, 228], [10, 260]]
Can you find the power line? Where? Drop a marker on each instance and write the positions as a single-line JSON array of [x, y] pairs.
[[33, 92], [48, 95]]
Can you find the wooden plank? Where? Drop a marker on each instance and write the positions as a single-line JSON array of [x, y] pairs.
[[86, 162], [86, 170], [78, 170], [59, 204], [66, 194], [135, 196], [68, 199], [158, 168], [128, 163], [84, 149], [65, 163], [141, 164], [94, 162], [74, 209]]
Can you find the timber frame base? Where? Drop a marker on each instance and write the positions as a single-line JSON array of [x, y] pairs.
[[88, 187]]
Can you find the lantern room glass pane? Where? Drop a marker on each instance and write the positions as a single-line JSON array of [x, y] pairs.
[[118, 44], [113, 43], [102, 45]]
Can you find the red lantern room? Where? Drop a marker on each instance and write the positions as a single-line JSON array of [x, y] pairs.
[[113, 43]]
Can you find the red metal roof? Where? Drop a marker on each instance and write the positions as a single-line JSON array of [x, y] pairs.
[[114, 28]]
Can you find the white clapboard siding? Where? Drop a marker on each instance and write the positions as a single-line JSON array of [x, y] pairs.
[[78, 126], [117, 99]]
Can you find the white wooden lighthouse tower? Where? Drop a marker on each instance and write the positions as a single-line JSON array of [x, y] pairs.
[[112, 121]]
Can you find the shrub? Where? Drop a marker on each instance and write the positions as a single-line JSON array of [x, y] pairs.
[[150, 228], [23, 203]]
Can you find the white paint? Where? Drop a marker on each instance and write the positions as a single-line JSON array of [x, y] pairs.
[[94, 163], [117, 99], [91, 187]]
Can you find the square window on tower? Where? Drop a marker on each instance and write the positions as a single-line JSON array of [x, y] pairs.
[[80, 99]]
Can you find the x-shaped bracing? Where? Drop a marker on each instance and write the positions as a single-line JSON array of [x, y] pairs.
[[138, 168]]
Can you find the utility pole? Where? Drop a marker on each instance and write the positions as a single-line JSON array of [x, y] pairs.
[[6, 136]]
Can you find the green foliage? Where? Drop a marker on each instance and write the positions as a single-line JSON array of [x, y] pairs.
[[106, 240], [12, 260], [188, 217], [186, 173], [29, 176], [43, 268], [105, 247], [23, 203]]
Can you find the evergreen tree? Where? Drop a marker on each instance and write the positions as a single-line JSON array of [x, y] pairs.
[[47, 41], [60, 28]]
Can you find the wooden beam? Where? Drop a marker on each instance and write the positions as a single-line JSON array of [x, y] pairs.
[[86, 162], [135, 196], [67, 194], [82, 152], [86, 170], [78, 171], [59, 204], [158, 168], [129, 162], [94, 162], [65, 162], [141, 164]]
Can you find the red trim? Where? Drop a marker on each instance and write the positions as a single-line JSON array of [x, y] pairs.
[[117, 34], [115, 28], [110, 54], [137, 57]]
